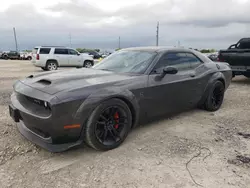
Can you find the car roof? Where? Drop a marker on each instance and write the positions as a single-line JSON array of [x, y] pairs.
[[244, 40], [51, 47], [158, 48]]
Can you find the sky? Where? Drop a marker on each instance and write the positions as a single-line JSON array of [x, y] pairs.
[[99, 23]]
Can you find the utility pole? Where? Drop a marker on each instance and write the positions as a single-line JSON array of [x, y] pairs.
[[179, 44], [157, 34], [70, 40], [14, 30], [119, 45]]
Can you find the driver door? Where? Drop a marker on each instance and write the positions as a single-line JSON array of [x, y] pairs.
[[75, 58], [172, 93]]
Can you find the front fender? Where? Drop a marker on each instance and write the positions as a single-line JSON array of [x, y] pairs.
[[93, 100]]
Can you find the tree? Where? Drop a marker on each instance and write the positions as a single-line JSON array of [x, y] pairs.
[[79, 50]]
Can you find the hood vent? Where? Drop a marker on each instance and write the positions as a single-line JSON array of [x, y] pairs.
[[30, 76], [45, 82]]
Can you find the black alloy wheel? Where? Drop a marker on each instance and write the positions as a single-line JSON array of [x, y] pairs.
[[108, 125], [215, 97]]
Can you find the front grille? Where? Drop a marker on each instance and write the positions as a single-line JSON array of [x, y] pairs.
[[33, 105]]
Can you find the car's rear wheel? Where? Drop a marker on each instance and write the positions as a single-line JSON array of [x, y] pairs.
[[215, 96], [29, 58], [108, 125], [51, 65], [87, 64]]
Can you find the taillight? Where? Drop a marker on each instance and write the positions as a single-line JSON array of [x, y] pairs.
[[37, 57]]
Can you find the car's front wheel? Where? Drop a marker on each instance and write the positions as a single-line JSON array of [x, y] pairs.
[[215, 96], [108, 125], [87, 64]]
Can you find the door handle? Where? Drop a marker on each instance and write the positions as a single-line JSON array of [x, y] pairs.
[[192, 75]]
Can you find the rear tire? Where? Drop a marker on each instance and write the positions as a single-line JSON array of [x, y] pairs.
[[215, 97], [105, 131], [51, 65], [88, 64], [29, 58]]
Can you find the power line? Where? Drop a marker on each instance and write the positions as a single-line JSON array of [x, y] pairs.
[[14, 30], [157, 34]]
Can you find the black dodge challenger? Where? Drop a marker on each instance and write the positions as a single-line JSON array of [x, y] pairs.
[[100, 105]]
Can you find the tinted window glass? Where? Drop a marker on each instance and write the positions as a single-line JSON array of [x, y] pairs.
[[178, 60], [72, 52], [61, 51], [193, 60], [245, 45], [44, 50]]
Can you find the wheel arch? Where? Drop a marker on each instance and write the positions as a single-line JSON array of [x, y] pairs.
[[54, 60], [93, 100], [218, 76]]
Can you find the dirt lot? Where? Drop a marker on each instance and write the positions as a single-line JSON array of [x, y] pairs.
[[208, 145]]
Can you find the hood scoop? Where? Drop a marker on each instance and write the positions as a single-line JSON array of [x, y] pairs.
[[44, 82], [30, 76]]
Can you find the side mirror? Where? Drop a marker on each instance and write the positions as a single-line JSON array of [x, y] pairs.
[[170, 70], [78, 54], [166, 70]]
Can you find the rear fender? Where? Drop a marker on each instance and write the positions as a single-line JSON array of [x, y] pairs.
[[216, 76]]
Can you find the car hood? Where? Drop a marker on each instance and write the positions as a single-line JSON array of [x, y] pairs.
[[54, 82]]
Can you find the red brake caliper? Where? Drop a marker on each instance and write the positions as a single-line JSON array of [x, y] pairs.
[[116, 117]]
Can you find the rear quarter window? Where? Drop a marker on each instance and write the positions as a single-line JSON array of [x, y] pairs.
[[61, 51], [44, 51]]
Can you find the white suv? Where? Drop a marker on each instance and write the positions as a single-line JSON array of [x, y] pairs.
[[51, 57]]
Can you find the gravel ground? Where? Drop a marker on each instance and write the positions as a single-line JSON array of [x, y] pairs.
[[213, 147]]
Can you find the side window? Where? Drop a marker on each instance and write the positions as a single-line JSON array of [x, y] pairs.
[[193, 60], [61, 51], [72, 52], [174, 59], [244, 45], [44, 50]]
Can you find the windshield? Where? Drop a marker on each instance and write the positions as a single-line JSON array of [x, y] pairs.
[[127, 61]]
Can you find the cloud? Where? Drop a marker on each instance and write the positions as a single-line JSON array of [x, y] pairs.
[[196, 23]]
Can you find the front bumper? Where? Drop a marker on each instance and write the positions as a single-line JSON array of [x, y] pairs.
[[45, 130], [45, 143]]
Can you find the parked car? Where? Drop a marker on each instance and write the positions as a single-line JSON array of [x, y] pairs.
[[213, 57], [238, 56], [25, 56], [94, 54], [99, 105], [10, 55], [52, 57]]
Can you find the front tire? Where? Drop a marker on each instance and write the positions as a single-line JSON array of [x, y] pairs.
[[215, 96], [87, 64], [108, 125]]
